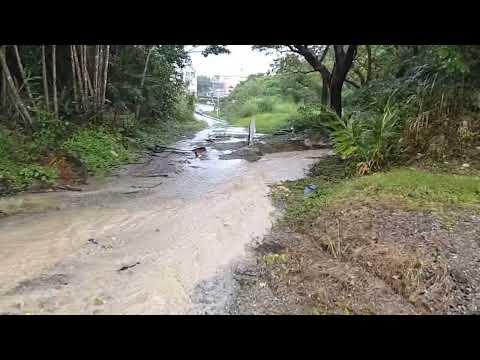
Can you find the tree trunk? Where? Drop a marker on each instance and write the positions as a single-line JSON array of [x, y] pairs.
[[325, 87], [4, 90], [81, 86], [336, 95], [45, 78], [95, 76], [369, 63], [105, 75], [22, 72], [83, 55], [22, 109], [343, 62], [54, 80], [74, 79], [137, 113]]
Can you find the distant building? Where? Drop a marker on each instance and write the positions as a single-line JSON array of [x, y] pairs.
[[190, 80], [217, 86]]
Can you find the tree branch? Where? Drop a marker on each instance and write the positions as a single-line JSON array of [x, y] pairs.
[[350, 82]]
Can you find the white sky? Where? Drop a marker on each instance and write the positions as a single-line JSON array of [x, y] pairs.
[[242, 60]]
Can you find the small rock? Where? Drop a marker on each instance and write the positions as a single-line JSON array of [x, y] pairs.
[[98, 302]]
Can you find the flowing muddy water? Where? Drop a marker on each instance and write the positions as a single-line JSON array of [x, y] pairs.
[[140, 243]]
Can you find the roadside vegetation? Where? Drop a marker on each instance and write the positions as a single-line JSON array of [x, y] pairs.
[[69, 111], [273, 99], [388, 224]]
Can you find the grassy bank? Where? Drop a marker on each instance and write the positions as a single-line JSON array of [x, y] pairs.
[[406, 188], [64, 152], [270, 121], [396, 242]]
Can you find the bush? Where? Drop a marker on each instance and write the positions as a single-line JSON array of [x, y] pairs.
[[98, 148], [313, 116], [184, 109], [248, 108], [370, 138], [265, 104], [28, 174]]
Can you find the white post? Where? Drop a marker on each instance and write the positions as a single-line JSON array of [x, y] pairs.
[[251, 132]]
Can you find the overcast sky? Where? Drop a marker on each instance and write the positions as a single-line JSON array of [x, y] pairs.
[[241, 61]]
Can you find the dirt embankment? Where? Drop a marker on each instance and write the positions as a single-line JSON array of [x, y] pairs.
[[365, 257]]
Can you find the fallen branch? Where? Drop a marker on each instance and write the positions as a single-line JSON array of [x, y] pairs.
[[123, 268], [131, 192], [146, 187], [159, 149], [152, 175], [67, 187]]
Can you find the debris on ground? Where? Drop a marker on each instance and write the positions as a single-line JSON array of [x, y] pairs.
[[200, 151], [126, 267], [309, 190]]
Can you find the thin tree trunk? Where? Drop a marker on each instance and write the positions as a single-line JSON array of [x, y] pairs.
[[101, 64], [22, 109], [105, 74], [142, 84], [45, 78], [83, 54], [22, 72], [4, 91], [74, 79], [369, 63], [90, 87], [81, 86], [95, 81], [54, 80]]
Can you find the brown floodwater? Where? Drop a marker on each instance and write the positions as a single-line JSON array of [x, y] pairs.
[[63, 254]]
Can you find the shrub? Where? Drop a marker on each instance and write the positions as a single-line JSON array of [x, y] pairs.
[[370, 138], [98, 148], [313, 116], [248, 108], [265, 104]]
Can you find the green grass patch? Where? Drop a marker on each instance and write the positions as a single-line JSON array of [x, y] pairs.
[[266, 123], [269, 119], [408, 189]]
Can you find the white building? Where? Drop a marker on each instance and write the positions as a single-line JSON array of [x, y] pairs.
[[190, 80]]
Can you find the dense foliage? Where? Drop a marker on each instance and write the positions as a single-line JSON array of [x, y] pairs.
[[84, 102], [399, 102]]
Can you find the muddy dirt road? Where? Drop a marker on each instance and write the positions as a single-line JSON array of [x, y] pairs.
[[140, 243]]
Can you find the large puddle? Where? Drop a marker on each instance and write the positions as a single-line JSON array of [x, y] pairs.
[[167, 234]]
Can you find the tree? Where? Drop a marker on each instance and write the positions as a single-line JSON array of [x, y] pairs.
[[333, 79], [18, 102]]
